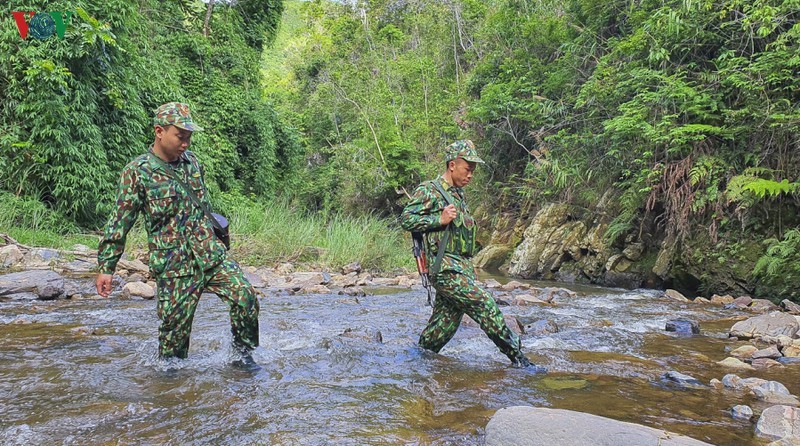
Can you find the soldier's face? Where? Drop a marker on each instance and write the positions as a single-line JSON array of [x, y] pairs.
[[461, 172], [173, 141]]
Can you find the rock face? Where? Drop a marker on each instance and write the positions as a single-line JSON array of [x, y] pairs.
[[567, 243], [45, 284], [492, 257], [537, 426]]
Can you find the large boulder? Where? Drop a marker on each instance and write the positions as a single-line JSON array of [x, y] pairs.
[[772, 324], [539, 426], [9, 255], [492, 257], [46, 284], [777, 422]]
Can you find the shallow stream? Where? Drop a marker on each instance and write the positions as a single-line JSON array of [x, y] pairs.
[[84, 372]]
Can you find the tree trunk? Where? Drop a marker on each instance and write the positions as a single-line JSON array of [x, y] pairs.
[[207, 21]]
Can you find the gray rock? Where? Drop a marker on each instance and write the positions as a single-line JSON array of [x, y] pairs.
[[786, 304], [791, 440], [538, 426], [683, 380], [742, 301], [135, 265], [771, 352], [138, 289], [491, 283], [45, 284], [762, 306], [9, 255], [741, 412], [492, 257], [683, 326], [676, 295], [777, 422], [634, 251], [771, 324], [354, 267], [541, 327]]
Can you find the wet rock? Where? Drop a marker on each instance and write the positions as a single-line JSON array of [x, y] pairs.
[[491, 283], [541, 327], [735, 382], [683, 326], [744, 352], [353, 291], [138, 289], [675, 295], [344, 281], [777, 422], [735, 364], [539, 426], [682, 380], [775, 396], [762, 306], [716, 384], [10, 255], [786, 304], [354, 267], [526, 300], [721, 300], [741, 412], [548, 294], [765, 363], [79, 288], [514, 285], [742, 301], [46, 284], [772, 324], [620, 279], [135, 265], [256, 280], [20, 296], [701, 300], [770, 352]]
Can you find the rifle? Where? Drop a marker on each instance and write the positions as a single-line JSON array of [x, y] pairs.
[[422, 263]]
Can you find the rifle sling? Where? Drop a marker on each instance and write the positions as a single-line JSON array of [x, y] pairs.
[[437, 264], [188, 190]]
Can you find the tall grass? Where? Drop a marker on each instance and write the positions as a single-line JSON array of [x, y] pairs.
[[262, 234], [276, 232]]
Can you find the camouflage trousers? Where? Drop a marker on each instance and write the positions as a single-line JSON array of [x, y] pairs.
[[178, 298], [458, 294]]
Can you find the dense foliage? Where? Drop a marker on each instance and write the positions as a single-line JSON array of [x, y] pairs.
[[681, 115], [75, 109]]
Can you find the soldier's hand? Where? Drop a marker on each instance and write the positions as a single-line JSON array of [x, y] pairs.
[[448, 215], [103, 284]]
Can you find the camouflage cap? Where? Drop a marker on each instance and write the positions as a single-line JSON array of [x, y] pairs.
[[463, 149], [177, 114]]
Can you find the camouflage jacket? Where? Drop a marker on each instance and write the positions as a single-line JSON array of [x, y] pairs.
[[178, 233], [422, 214]]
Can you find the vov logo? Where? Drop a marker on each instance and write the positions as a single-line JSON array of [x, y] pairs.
[[42, 25]]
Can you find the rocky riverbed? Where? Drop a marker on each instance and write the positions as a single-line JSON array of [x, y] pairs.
[[338, 346]]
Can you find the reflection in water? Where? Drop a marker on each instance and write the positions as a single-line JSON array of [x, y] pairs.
[[85, 372]]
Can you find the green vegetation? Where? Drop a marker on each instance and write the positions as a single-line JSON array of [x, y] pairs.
[[681, 114]]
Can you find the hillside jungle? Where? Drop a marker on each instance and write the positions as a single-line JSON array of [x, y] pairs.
[[668, 129]]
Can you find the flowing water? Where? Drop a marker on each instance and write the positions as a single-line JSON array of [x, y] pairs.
[[85, 372]]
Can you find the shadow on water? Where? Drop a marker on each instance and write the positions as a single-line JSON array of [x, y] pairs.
[[341, 370]]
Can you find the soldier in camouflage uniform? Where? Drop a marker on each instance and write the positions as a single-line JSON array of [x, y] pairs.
[[186, 258], [457, 292]]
